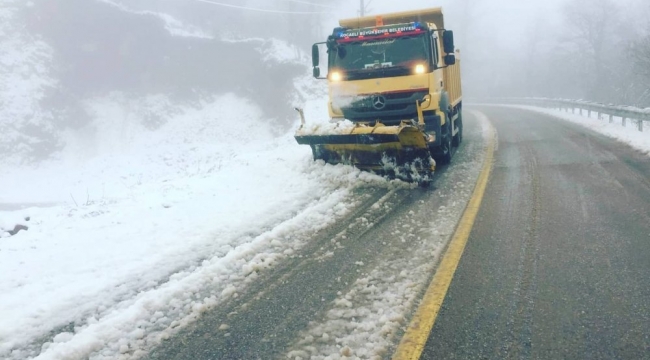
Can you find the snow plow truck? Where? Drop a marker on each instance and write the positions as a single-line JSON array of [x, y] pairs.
[[394, 79]]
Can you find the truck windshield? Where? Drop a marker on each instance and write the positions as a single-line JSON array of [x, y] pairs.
[[379, 58]]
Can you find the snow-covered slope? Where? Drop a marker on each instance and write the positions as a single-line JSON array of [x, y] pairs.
[[25, 70], [139, 221], [58, 57], [147, 196], [172, 25]]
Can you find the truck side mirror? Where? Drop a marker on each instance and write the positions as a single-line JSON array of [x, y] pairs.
[[315, 55], [315, 60], [448, 41], [450, 59]]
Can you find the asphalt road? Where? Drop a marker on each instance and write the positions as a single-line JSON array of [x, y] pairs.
[[558, 262], [267, 317]]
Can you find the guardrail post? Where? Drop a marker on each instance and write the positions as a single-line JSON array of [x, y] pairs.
[[573, 110], [611, 118], [624, 120], [580, 111], [598, 114], [588, 113], [640, 125]]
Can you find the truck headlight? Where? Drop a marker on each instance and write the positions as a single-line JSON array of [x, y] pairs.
[[336, 76], [420, 69]]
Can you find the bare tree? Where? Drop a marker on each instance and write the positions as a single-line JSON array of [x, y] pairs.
[[591, 28], [533, 51], [641, 60], [641, 52]]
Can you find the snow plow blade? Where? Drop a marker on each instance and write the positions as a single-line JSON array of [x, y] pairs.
[[399, 151]]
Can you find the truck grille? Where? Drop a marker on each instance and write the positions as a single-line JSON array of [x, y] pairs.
[[385, 106]]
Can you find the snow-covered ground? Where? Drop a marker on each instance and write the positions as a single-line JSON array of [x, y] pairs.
[[139, 221], [145, 205], [127, 226]]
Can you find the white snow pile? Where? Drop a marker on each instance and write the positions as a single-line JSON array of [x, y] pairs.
[[25, 72], [316, 128], [628, 134], [567, 102], [174, 26], [14, 223], [128, 225], [272, 50], [317, 120], [108, 247]]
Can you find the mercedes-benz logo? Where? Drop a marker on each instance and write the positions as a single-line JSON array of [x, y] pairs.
[[378, 102]]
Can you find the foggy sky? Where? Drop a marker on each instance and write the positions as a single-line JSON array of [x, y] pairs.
[[479, 14], [515, 48], [509, 48]]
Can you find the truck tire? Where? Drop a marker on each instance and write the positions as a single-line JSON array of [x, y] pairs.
[[446, 148], [458, 138]]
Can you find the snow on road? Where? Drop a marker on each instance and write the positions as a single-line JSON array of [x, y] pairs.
[[366, 321], [144, 220], [628, 134]]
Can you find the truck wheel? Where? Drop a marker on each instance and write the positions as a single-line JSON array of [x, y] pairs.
[[447, 150], [459, 124]]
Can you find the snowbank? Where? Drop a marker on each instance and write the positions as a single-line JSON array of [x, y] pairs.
[[144, 219], [174, 26]]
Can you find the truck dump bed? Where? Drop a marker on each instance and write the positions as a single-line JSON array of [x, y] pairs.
[[433, 15], [451, 76]]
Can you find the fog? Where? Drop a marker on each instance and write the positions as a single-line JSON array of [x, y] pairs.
[[58, 54], [579, 49], [552, 48]]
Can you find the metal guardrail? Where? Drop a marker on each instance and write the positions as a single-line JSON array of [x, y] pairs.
[[635, 115]]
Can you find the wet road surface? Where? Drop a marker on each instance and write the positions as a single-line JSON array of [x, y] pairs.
[[558, 262]]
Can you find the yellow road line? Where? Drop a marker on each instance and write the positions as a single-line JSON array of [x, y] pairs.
[[412, 344]]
